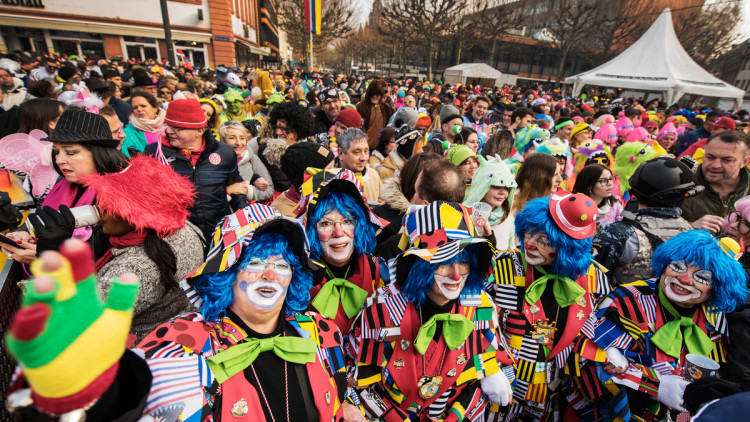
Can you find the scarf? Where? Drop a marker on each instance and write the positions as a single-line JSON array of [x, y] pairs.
[[64, 193], [670, 337], [147, 125], [133, 238]]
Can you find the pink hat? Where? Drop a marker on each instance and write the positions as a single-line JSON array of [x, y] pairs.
[[575, 214], [607, 134], [639, 134], [651, 123], [577, 119], [624, 126], [667, 129], [742, 206]]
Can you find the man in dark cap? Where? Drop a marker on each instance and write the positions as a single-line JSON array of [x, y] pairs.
[[330, 106]]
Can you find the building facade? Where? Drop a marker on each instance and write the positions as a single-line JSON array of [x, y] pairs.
[[207, 32]]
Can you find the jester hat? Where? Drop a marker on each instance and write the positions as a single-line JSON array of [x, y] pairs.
[[319, 183], [639, 134], [667, 129], [624, 126], [436, 233], [235, 232], [162, 207]]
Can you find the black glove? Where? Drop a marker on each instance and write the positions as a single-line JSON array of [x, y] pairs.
[[702, 391], [52, 227]]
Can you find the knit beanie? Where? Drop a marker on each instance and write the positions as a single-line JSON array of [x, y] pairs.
[[349, 118], [449, 112], [667, 129], [298, 157], [580, 128], [405, 116], [460, 153], [423, 121], [185, 113]]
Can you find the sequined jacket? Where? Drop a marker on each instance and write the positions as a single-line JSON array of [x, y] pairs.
[[177, 353], [627, 319], [539, 380], [388, 367]]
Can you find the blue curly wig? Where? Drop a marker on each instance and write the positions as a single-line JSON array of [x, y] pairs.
[[700, 249], [216, 289], [421, 277], [573, 255], [364, 233]]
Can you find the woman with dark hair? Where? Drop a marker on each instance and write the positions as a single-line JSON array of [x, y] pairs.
[[386, 144], [596, 182], [82, 145], [150, 237], [469, 137], [291, 123], [40, 113], [500, 143], [539, 176], [374, 110], [147, 118]]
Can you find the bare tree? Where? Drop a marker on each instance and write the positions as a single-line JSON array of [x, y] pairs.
[[574, 24], [428, 19], [337, 22], [708, 32]]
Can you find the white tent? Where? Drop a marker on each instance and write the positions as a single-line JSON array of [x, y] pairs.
[[476, 73], [657, 62]]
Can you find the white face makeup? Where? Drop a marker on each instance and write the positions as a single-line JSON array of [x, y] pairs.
[[449, 287], [336, 235], [686, 285], [538, 250], [265, 283]]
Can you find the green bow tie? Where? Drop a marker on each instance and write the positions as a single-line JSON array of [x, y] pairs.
[[456, 329], [338, 290], [566, 291], [238, 357], [670, 336]]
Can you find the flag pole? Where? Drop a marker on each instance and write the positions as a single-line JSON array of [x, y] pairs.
[[311, 50]]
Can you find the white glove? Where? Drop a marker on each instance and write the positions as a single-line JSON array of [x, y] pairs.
[[615, 357], [497, 388], [671, 390]]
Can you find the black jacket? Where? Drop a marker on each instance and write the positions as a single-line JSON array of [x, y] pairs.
[[122, 109], [215, 169], [322, 124]]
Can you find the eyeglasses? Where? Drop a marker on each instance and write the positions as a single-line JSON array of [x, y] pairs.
[[327, 226], [118, 131], [257, 265], [284, 130], [743, 226], [447, 270], [539, 238], [605, 181], [167, 92], [699, 276]]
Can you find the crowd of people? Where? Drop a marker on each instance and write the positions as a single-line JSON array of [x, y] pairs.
[[398, 249]]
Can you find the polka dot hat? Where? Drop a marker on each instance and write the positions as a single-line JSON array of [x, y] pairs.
[[575, 214]]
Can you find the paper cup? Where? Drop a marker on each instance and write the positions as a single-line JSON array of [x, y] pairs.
[[480, 212], [699, 367]]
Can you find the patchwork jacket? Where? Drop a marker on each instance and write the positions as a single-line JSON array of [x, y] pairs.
[[388, 367]]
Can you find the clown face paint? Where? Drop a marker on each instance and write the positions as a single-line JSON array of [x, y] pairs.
[[336, 235], [449, 282], [537, 249], [686, 285], [265, 283]]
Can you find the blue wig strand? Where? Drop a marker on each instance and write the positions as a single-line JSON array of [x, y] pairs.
[[216, 289], [700, 249], [364, 232], [573, 255], [421, 277]]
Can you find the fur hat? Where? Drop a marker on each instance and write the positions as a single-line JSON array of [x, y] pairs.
[[162, 207]]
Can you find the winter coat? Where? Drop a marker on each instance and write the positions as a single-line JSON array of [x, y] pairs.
[[251, 169], [155, 304], [391, 166], [280, 180], [709, 202], [215, 169]]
